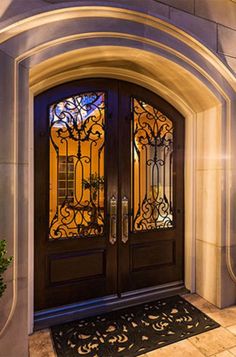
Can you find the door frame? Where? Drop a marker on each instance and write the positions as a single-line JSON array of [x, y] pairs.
[[130, 295], [189, 243]]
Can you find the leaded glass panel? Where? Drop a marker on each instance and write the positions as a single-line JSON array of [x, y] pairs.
[[77, 138], [152, 168]]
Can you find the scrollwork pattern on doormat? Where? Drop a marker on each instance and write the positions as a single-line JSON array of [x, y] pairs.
[[132, 331]]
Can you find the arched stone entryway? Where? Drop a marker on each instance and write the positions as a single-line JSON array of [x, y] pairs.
[[40, 51]]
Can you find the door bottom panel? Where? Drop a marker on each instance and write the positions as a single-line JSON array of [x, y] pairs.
[[71, 312]]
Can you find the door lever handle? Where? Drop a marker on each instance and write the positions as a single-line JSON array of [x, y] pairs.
[[113, 218], [125, 219]]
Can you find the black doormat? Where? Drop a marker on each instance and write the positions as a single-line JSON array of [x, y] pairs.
[[132, 331]]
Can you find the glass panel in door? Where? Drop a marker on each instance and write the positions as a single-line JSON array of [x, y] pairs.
[[75, 149], [77, 166], [152, 168], [151, 162]]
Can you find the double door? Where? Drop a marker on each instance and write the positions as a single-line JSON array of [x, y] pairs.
[[108, 192]]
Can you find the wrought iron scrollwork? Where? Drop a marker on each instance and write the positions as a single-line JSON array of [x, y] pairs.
[[152, 168], [77, 134]]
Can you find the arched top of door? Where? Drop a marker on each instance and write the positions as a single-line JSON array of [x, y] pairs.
[[69, 89]]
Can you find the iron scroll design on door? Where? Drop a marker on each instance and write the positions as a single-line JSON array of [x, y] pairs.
[[152, 168], [77, 139]]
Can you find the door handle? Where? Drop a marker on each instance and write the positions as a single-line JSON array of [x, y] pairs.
[[125, 219], [113, 217]]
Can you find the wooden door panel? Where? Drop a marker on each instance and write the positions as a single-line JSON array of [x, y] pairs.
[[73, 293], [162, 253], [64, 268], [153, 254], [74, 260], [151, 236], [154, 277]]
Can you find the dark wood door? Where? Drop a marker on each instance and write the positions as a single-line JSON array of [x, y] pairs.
[[75, 175], [108, 191], [151, 190]]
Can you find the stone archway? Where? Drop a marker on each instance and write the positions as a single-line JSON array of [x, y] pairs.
[[164, 59], [192, 98]]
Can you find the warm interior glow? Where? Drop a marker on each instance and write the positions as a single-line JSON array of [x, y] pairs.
[[152, 167], [77, 166]]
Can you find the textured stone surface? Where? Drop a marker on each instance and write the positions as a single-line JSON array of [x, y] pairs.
[[233, 351], [16, 330], [179, 349], [208, 219], [226, 317], [220, 11], [201, 303], [7, 106], [223, 354], [11, 8], [205, 30], [226, 284], [227, 41], [231, 62], [186, 5], [206, 272], [232, 329], [209, 147], [40, 344], [214, 341], [14, 341]]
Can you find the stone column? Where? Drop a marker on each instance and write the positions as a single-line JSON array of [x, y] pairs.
[[14, 205]]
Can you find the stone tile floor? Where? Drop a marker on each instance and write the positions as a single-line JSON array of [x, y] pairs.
[[220, 342]]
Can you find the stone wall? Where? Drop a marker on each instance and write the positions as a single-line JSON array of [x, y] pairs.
[[213, 22]]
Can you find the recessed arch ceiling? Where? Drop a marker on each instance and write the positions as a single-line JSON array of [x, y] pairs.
[[150, 70]]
